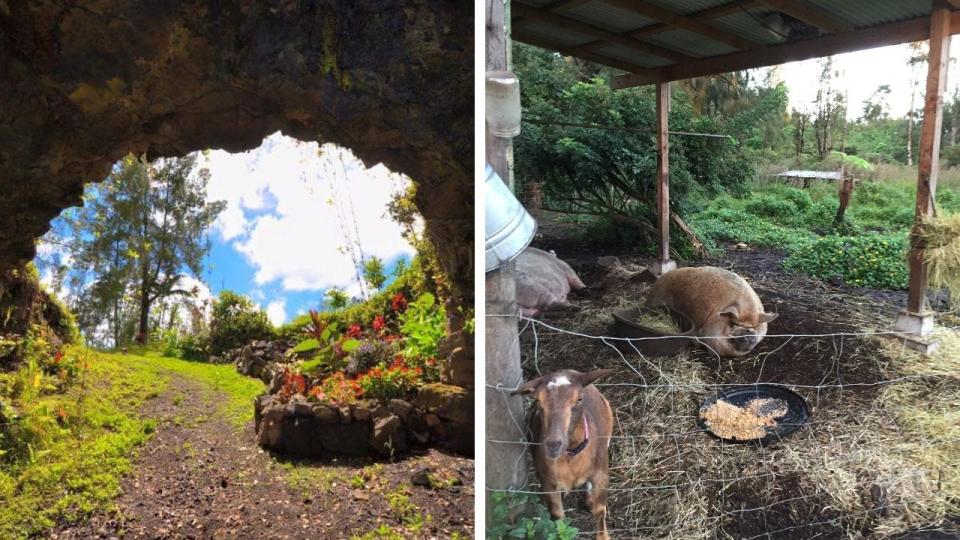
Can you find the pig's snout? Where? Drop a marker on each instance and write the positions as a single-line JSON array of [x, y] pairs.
[[745, 339]]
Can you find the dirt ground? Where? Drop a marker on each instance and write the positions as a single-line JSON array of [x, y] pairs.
[[668, 479], [200, 477]]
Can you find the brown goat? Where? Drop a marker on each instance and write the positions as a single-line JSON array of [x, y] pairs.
[[571, 426]]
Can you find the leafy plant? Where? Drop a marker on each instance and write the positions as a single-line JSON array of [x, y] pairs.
[[422, 325], [869, 260], [533, 523], [396, 381]]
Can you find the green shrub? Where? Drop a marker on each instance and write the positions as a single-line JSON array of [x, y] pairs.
[[730, 225], [800, 198], [235, 322], [869, 260], [515, 515], [423, 325], [772, 207]]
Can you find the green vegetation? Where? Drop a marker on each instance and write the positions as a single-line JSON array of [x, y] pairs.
[[71, 428], [236, 321], [533, 522], [130, 241]]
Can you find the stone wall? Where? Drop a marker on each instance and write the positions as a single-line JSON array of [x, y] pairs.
[[440, 416]]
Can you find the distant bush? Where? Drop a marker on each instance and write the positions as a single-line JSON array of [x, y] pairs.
[[771, 207], [190, 346], [869, 260], [236, 321], [731, 225]]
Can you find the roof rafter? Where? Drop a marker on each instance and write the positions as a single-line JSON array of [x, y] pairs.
[[586, 29], [677, 20], [596, 58], [811, 14], [889, 34]]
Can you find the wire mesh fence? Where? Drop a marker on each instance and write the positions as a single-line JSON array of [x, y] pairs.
[[873, 459]]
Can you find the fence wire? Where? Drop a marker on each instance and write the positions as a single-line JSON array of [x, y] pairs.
[[621, 485]]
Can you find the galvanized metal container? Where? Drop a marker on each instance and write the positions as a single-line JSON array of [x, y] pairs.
[[509, 227]]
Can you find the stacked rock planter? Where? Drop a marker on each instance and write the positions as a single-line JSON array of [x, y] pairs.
[[260, 359], [440, 416]]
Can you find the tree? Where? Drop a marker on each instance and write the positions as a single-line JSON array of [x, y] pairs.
[[336, 298], [918, 57], [235, 321], [830, 108], [876, 107], [138, 233], [610, 171], [373, 272]]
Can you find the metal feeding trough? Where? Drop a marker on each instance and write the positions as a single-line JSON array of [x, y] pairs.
[[626, 324], [774, 398]]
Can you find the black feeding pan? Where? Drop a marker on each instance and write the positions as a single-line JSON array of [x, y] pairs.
[[625, 325], [797, 410]]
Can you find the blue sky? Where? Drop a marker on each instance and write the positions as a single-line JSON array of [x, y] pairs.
[[297, 217]]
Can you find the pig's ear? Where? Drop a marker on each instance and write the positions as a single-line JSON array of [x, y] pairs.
[[528, 387], [586, 379], [730, 311], [767, 317]]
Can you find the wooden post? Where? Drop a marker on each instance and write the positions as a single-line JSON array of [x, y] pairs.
[[917, 319], [663, 264], [506, 467]]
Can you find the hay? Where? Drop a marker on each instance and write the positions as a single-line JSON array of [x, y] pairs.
[[659, 320], [940, 237]]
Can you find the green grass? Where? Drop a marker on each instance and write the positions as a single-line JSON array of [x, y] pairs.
[[75, 469]]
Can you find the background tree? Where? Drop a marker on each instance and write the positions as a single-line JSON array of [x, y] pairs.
[[235, 321], [611, 173], [374, 272], [336, 298], [137, 233]]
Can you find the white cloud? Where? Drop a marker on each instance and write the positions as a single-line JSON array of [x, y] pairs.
[[277, 312], [295, 209], [861, 72]]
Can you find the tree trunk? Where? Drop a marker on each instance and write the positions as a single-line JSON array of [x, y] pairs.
[[692, 236], [144, 323], [910, 129]]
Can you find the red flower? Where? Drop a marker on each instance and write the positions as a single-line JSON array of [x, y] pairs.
[[379, 323], [354, 331], [58, 357], [399, 302]]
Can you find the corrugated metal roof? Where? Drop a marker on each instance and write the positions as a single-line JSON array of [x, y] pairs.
[[744, 24], [551, 34], [607, 16], [689, 43], [752, 22], [875, 12]]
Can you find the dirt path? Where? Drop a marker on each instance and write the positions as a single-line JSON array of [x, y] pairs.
[[201, 477]]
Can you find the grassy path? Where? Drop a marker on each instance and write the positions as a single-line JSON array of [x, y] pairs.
[[164, 448]]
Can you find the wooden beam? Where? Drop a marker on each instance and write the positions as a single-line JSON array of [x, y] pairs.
[[501, 333], [579, 27], [673, 19], [811, 14], [663, 171], [568, 51], [563, 5], [878, 36], [937, 62]]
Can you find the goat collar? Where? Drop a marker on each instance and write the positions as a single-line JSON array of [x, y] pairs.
[[571, 452]]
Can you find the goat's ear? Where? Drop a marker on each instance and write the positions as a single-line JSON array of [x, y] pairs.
[[731, 311], [528, 387], [767, 317], [586, 379]]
